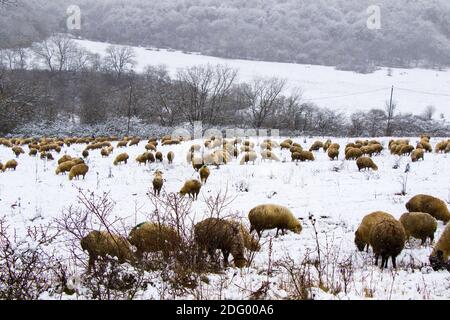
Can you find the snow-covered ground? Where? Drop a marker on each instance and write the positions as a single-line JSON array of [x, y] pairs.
[[34, 195], [327, 87]]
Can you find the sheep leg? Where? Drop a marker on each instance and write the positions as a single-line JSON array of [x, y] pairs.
[[376, 260], [393, 262], [383, 262], [277, 233], [226, 254]]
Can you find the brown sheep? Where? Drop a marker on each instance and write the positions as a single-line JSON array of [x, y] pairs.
[[204, 174], [170, 157], [32, 152], [316, 146], [154, 237], [11, 164], [271, 216], [416, 155], [362, 234], [192, 188], [134, 142], [158, 182], [143, 158], [102, 244], [285, 145], [434, 206], [250, 242], [353, 154], [366, 163], [150, 147], [122, 144], [159, 156], [305, 156], [424, 145], [441, 146], [85, 154], [387, 239], [333, 153], [441, 251], [150, 157], [217, 234], [197, 163], [64, 167], [419, 225], [123, 157], [78, 170], [170, 142], [269, 155], [326, 145], [18, 151], [406, 150], [64, 158], [249, 157], [294, 149]]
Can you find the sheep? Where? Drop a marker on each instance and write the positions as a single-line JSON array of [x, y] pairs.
[[210, 159], [150, 147], [105, 152], [302, 156], [295, 149], [78, 170], [150, 157], [192, 188], [143, 158], [189, 157], [153, 237], [32, 152], [159, 156], [353, 154], [221, 156], [425, 145], [387, 239], [335, 146], [11, 164], [366, 163], [249, 157], [285, 145], [17, 151], [316, 146], [333, 153], [197, 163], [46, 155], [326, 145], [134, 142], [64, 167], [123, 157], [441, 146], [426, 137], [250, 242], [195, 148], [64, 158], [288, 141], [367, 150], [122, 144], [170, 142], [212, 234], [158, 182], [441, 251], [362, 234], [85, 154], [429, 204], [376, 148], [77, 161], [102, 244], [204, 174], [419, 225], [269, 155], [270, 216], [416, 155], [406, 149]]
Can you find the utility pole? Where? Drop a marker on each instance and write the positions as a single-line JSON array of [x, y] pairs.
[[390, 113]]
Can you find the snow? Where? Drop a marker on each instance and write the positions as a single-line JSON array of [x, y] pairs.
[[327, 87], [34, 195]]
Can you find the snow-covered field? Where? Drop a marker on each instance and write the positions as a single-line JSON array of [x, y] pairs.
[[327, 87], [34, 195]]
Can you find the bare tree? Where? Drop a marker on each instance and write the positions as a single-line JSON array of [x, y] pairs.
[[390, 112], [120, 59], [261, 97], [428, 113], [57, 53]]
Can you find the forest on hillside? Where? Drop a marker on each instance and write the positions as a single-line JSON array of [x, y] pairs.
[[326, 32]]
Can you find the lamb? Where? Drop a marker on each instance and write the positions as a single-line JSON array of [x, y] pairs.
[[159, 156], [387, 239], [18, 151], [212, 234], [271, 216], [102, 244], [249, 157], [11, 164], [416, 155], [366, 163], [204, 174], [121, 158], [362, 234], [192, 188], [153, 237], [431, 205], [316, 146], [441, 252], [64, 167], [158, 182], [333, 153], [419, 225], [78, 170], [269, 155], [353, 154]]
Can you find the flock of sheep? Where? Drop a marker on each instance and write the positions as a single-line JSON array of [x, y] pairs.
[[380, 230]]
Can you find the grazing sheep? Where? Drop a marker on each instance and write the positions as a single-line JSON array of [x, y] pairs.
[[406, 150], [159, 156], [17, 151], [326, 145], [269, 155], [85, 154], [143, 158], [416, 155], [353, 154], [150, 147], [150, 157], [46, 155], [102, 244], [285, 145], [434, 206], [217, 234], [158, 182], [366, 163], [78, 170], [362, 234], [250, 242], [153, 237], [64, 158], [77, 160], [295, 149], [387, 239], [204, 174], [335, 146], [123, 157], [441, 251], [134, 142], [316, 146], [192, 188], [122, 144], [64, 167], [376, 148], [32, 152], [419, 225], [105, 152], [424, 145], [11, 164], [249, 157], [441, 146], [304, 156], [271, 216], [171, 142], [333, 153]]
